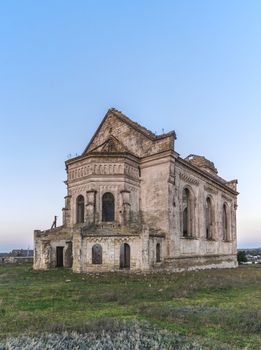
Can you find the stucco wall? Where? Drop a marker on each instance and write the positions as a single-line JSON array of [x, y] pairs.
[[202, 188], [147, 179], [134, 140]]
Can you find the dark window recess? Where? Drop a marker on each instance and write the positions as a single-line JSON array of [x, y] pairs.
[[208, 219], [125, 256], [225, 223], [108, 207], [80, 209], [187, 213], [185, 222], [97, 254], [59, 256], [158, 259]]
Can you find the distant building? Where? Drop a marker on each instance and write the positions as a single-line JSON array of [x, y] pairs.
[[22, 252], [17, 256], [133, 203], [2, 257]]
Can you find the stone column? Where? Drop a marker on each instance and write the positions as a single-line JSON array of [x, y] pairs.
[[91, 206], [126, 208], [77, 245], [233, 236], [68, 254], [42, 252], [67, 211], [145, 248], [46, 255]]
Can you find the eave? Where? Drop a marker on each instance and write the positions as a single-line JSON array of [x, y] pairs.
[[207, 176]]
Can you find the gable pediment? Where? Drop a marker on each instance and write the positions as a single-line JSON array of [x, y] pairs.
[[119, 134], [111, 145]]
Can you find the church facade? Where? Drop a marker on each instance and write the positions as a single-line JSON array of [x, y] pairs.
[[134, 204]]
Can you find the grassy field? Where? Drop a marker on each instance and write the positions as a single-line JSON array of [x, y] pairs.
[[215, 305]]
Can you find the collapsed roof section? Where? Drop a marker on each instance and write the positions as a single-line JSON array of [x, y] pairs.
[[207, 166], [202, 163]]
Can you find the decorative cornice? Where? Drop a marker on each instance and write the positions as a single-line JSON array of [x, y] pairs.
[[188, 179], [210, 190], [226, 198], [106, 156], [218, 180]]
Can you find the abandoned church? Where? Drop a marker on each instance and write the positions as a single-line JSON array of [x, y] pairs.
[[134, 204]]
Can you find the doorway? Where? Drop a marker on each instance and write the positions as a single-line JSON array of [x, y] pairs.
[[124, 256], [59, 256]]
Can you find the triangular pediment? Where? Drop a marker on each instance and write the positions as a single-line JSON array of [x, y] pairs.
[[111, 145], [119, 134]]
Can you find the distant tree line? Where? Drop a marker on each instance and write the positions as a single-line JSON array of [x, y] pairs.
[[241, 256]]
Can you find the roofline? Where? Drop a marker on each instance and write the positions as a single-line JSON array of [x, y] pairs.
[[101, 155], [207, 175], [150, 135]]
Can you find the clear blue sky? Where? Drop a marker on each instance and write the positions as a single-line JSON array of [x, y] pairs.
[[192, 66]]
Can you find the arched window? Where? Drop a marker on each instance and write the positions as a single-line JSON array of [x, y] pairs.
[[225, 223], [108, 207], [97, 254], [209, 219], [125, 256], [187, 213], [158, 258], [80, 209], [185, 222]]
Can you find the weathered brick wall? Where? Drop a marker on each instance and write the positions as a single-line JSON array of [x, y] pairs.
[[147, 185], [134, 141], [202, 188]]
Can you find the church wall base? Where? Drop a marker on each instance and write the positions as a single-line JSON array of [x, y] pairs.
[[201, 263]]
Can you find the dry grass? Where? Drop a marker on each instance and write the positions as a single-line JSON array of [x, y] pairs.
[[218, 305]]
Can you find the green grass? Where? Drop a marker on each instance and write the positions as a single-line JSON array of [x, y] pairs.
[[221, 305]]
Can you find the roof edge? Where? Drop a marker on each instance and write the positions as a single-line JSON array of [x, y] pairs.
[[134, 125], [217, 179]]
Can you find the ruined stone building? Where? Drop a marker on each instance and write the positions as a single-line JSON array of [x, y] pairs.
[[133, 203]]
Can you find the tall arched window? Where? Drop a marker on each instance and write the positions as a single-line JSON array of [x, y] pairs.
[[225, 223], [209, 219], [97, 254], [80, 209], [158, 258], [187, 213], [108, 207], [185, 222]]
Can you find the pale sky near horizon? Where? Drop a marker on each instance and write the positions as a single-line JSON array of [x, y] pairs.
[[191, 66]]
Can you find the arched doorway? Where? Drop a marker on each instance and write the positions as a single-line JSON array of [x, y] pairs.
[[59, 256], [124, 256], [97, 254]]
